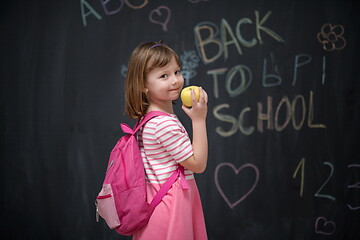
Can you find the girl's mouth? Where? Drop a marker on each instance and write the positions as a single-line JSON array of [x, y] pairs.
[[174, 90]]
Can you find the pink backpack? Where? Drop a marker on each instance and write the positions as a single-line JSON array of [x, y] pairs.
[[122, 200]]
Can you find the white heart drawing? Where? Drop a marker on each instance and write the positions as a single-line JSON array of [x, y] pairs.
[[232, 205]]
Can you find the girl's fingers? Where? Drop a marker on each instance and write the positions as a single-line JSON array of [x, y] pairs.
[[203, 95], [203, 98], [186, 110], [193, 96]]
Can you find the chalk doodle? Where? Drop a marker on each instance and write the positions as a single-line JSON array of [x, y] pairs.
[[324, 227], [189, 62], [161, 16], [355, 185], [331, 37], [123, 70], [237, 171]]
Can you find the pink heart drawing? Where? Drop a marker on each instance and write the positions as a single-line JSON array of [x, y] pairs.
[[237, 171], [160, 15], [324, 227]]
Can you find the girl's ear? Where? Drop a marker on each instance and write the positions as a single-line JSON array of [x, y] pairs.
[[145, 88]]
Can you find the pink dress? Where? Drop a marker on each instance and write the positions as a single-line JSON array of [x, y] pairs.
[[164, 143]]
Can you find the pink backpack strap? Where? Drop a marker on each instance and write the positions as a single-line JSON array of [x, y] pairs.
[[183, 178], [174, 176], [167, 185], [126, 128], [139, 124], [147, 117]]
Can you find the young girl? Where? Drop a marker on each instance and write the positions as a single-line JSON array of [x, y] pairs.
[[153, 82]]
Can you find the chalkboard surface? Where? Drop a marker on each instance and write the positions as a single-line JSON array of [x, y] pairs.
[[283, 121]]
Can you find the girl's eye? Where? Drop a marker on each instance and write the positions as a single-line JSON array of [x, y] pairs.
[[177, 72], [164, 76]]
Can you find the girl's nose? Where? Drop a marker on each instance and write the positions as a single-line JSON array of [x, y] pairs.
[[175, 80]]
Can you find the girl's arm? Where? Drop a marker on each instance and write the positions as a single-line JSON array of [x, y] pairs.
[[197, 162]]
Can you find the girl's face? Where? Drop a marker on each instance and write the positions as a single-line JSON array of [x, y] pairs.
[[164, 84]]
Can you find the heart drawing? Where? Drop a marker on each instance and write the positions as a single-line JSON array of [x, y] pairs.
[[324, 227], [237, 171], [160, 15]]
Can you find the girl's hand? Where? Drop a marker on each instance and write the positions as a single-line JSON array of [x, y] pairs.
[[198, 161], [199, 109]]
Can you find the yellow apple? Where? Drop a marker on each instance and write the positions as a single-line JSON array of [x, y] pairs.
[[186, 95]]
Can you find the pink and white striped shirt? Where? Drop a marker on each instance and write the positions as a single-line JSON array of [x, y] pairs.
[[164, 143]]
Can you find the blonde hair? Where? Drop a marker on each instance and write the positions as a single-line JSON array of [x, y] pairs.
[[143, 59]]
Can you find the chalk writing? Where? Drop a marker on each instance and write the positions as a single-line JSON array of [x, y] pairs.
[[229, 119], [318, 194], [111, 7], [355, 185], [245, 79], [204, 45], [237, 171], [266, 76], [302, 166], [200, 43], [86, 10], [226, 30], [307, 59], [331, 37], [273, 121], [228, 40], [105, 4], [324, 227], [244, 75], [215, 73], [300, 64], [134, 6], [353, 208], [189, 62], [259, 26], [161, 16]]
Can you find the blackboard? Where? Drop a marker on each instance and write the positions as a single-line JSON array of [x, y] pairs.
[[283, 121]]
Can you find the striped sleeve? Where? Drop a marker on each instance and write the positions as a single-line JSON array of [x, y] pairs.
[[171, 134]]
